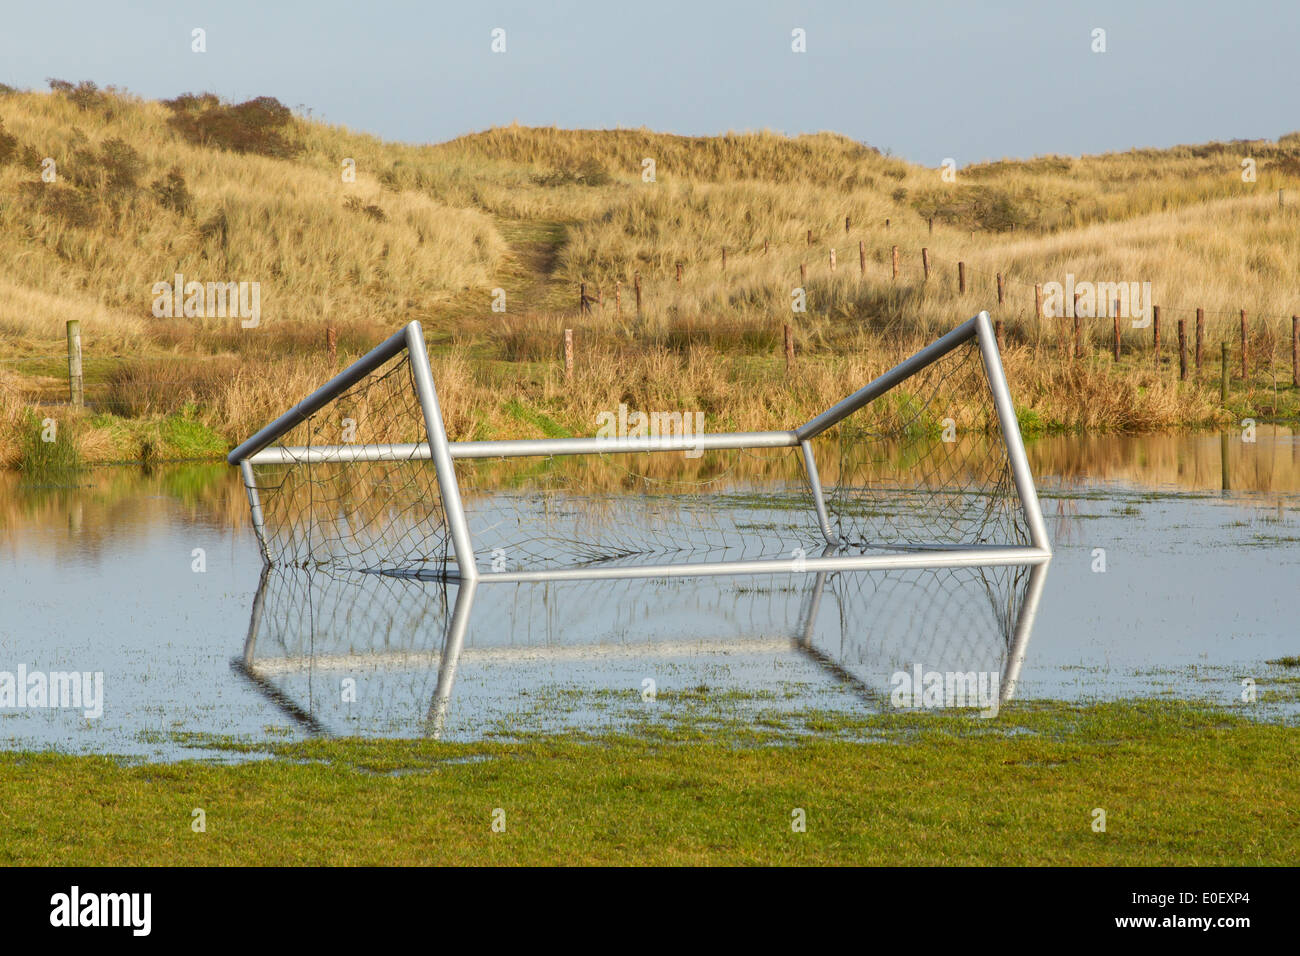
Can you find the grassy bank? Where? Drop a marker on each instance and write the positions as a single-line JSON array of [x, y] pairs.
[[1180, 785], [519, 218]]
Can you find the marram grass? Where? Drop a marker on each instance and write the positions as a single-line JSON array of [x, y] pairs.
[[434, 232]]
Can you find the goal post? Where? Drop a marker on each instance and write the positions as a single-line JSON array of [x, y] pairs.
[[375, 506], [409, 342]]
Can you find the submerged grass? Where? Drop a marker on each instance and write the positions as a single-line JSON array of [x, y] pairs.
[[1181, 784]]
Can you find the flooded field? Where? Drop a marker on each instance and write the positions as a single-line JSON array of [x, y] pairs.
[[1175, 570]]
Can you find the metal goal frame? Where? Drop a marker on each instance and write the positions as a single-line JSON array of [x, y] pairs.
[[443, 453]]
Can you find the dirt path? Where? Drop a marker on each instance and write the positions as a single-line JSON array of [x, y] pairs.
[[529, 273]]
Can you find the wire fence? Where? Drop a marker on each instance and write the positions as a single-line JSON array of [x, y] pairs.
[[1173, 336]]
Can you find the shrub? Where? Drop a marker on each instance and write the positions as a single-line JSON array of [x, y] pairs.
[[114, 170], [256, 126], [73, 206], [356, 205], [171, 192], [8, 146], [86, 95], [588, 173], [973, 207]]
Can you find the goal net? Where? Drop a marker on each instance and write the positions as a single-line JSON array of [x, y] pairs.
[[923, 467]]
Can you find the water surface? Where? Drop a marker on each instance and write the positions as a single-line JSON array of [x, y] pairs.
[[154, 579]]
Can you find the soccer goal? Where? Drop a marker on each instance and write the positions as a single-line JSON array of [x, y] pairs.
[[923, 467]]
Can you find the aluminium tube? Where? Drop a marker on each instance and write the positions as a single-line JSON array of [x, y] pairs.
[[525, 447], [326, 393], [873, 390], [964, 557], [441, 454], [1024, 478]]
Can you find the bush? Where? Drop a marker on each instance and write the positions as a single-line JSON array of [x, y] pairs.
[[973, 207], [86, 95], [73, 206], [171, 192], [115, 170], [589, 173], [8, 146], [356, 205], [256, 126]]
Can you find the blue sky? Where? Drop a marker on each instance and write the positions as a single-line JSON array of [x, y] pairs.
[[925, 81]]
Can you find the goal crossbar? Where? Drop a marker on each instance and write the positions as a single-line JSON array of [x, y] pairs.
[[258, 450]]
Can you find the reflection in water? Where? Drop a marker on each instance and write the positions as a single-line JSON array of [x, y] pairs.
[[98, 507], [97, 575], [1197, 461], [372, 654]]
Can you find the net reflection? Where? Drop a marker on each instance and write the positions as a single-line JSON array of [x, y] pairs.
[[352, 653]]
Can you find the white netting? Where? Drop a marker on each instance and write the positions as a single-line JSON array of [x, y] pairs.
[[923, 465], [314, 630]]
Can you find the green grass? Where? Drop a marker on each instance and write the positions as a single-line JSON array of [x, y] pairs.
[[48, 446], [520, 412], [1180, 784], [185, 437]]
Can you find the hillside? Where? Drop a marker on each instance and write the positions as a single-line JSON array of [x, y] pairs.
[[252, 193]]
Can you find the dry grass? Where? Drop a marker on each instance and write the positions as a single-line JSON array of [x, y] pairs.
[[429, 232]]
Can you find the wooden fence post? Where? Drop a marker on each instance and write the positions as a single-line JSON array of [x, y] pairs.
[[1116, 331], [925, 263], [803, 275], [764, 247], [895, 260], [568, 355], [789, 348], [618, 296], [932, 225], [886, 224], [332, 345], [1182, 352], [1223, 372], [846, 225], [862, 258], [1155, 331], [679, 273], [1074, 327], [1295, 350], [961, 278], [1038, 302], [1000, 297], [636, 278], [1200, 334], [583, 307], [832, 260], [997, 333], [76, 385], [724, 258], [1245, 365], [810, 237]]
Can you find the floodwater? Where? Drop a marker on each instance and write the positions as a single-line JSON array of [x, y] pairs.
[[1175, 573]]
